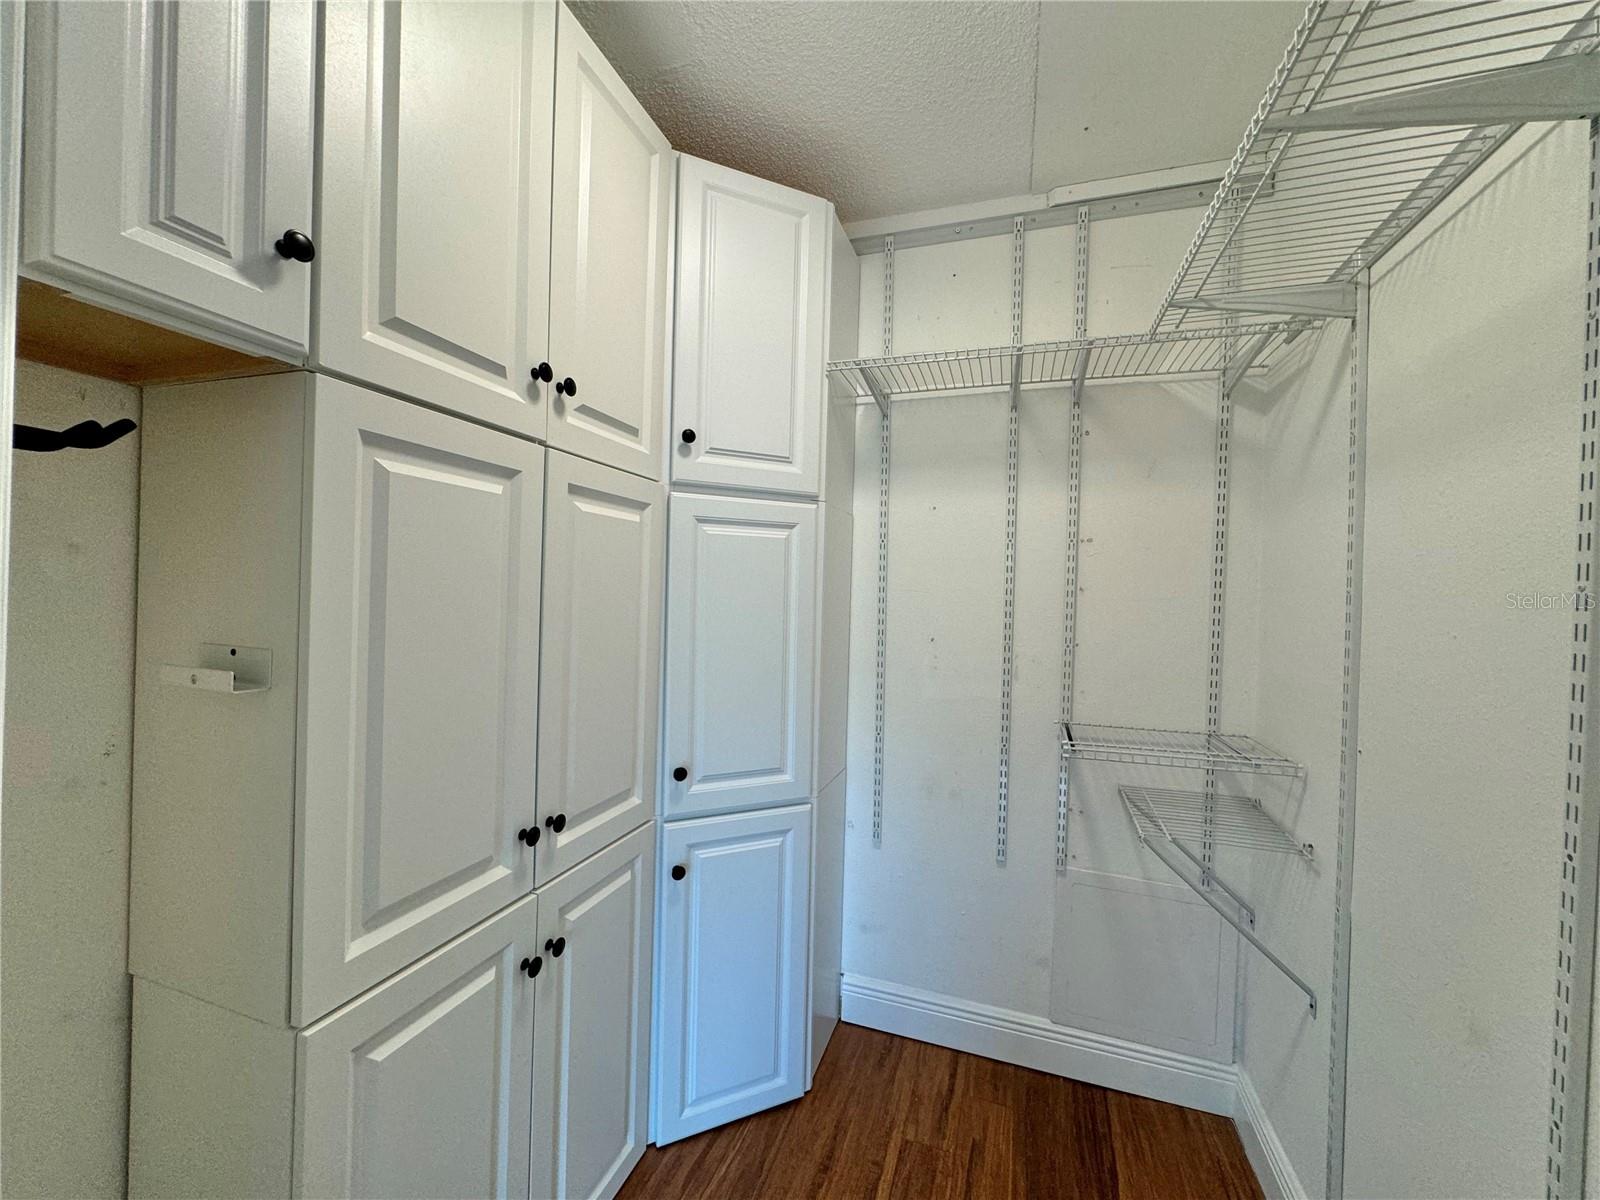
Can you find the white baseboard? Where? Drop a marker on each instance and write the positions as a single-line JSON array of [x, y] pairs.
[[1267, 1156], [1036, 1042]]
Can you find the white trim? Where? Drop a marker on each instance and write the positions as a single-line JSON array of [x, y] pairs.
[[1036, 1042], [1268, 1158]]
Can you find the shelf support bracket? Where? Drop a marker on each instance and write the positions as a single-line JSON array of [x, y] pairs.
[[1554, 89], [1242, 360], [1319, 300]]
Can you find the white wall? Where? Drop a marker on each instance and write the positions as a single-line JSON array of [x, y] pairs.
[[930, 909], [68, 728], [1475, 377]]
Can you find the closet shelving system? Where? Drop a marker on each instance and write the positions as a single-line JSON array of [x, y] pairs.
[[1377, 112]]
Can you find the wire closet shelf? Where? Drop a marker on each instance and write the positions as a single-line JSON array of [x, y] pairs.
[[1165, 820], [1175, 748], [1376, 113], [1163, 354], [1237, 821]]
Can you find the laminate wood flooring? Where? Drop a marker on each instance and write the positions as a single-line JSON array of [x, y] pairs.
[[892, 1119]]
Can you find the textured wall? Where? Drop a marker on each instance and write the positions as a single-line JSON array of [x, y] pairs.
[[69, 723]]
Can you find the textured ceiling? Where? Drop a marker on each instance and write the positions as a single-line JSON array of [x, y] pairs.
[[889, 107]]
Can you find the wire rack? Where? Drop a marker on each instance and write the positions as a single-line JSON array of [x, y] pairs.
[[1163, 820], [1378, 111], [1238, 821], [1175, 748], [1083, 360]]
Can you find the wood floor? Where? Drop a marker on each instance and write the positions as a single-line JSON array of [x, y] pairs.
[[888, 1117]]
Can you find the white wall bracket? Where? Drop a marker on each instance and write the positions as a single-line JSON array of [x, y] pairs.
[[231, 670], [1318, 300]]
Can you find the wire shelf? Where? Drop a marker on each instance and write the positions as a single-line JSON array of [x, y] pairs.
[[1238, 821], [1377, 112], [1175, 748], [1163, 820], [1086, 360]]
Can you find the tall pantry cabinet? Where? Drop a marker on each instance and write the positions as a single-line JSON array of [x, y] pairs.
[[749, 561], [399, 624]]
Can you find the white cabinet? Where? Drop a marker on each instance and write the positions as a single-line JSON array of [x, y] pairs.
[[609, 282], [748, 332], [733, 1004], [169, 148], [600, 667], [374, 567], [591, 1034], [434, 263], [420, 1088], [741, 604]]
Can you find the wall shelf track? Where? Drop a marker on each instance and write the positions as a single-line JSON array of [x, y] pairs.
[[1175, 748], [1163, 818], [1376, 113]]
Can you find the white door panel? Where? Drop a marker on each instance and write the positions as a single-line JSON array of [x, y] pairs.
[[733, 989], [420, 1088], [600, 669], [749, 333], [434, 268], [609, 231], [740, 634], [592, 1036], [169, 147], [419, 719]]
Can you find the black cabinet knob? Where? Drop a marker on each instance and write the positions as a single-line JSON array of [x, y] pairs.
[[556, 823], [542, 373], [566, 387], [679, 871], [555, 946], [533, 965], [529, 835], [688, 437], [296, 245], [680, 773]]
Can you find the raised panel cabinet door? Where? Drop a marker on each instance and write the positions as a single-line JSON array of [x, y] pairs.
[[169, 149], [731, 1039], [420, 664], [591, 1041], [749, 332], [435, 258], [741, 624], [609, 286], [605, 535], [421, 1087]]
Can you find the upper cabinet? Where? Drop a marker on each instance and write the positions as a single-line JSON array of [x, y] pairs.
[[748, 332], [609, 232], [169, 160], [434, 267]]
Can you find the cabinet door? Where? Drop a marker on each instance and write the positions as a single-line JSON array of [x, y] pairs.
[[420, 1088], [741, 601], [591, 1041], [418, 723], [434, 264], [748, 334], [608, 271], [733, 1008], [169, 148], [600, 667]]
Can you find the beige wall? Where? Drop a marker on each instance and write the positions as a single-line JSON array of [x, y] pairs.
[[68, 727]]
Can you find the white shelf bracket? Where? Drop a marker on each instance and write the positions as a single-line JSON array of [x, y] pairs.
[[1310, 300], [227, 669]]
